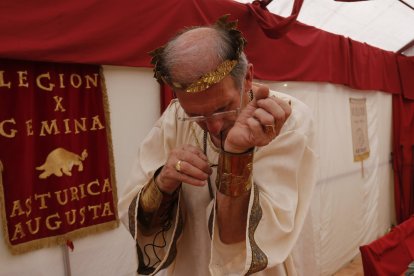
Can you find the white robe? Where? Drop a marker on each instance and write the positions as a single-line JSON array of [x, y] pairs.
[[284, 179]]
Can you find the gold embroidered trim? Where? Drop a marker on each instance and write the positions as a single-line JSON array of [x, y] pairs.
[[105, 100], [151, 197], [147, 269], [173, 250], [259, 258], [131, 216], [154, 207]]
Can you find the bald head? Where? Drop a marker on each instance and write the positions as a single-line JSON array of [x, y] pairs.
[[197, 51], [193, 53]]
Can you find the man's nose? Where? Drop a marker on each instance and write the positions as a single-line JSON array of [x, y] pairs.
[[214, 126]]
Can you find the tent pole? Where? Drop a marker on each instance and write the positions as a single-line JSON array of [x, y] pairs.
[[66, 260], [405, 3]]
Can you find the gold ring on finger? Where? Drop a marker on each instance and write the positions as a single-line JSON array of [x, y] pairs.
[[178, 166]]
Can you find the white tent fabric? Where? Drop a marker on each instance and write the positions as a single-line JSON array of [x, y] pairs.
[[381, 23], [348, 210]]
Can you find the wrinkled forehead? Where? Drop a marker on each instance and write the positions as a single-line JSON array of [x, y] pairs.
[[217, 96], [193, 54]]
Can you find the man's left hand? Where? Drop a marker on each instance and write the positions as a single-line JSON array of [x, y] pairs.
[[258, 123]]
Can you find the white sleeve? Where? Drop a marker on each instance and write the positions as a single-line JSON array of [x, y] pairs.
[[156, 251], [284, 179]]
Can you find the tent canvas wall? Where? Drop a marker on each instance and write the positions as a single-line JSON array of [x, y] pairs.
[[348, 210]]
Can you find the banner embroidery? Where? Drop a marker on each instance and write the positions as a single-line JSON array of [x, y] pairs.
[[57, 178]]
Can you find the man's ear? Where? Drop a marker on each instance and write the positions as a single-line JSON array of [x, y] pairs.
[[248, 80]]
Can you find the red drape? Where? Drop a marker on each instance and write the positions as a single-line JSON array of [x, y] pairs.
[[390, 254], [403, 141], [123, 32]]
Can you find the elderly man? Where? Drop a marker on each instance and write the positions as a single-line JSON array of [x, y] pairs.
[[222, 183]]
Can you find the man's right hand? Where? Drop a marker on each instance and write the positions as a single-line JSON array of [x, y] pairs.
[[194, 169]]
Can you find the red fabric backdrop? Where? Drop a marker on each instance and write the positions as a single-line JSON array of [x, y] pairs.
[[123, 32], [390, 254]]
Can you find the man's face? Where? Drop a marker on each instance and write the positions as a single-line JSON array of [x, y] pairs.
[[223, 96]]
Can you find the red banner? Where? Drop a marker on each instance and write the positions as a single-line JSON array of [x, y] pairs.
[[57, 177]]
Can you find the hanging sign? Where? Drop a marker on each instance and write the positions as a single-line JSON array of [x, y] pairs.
[[57, 177], [359, 127]]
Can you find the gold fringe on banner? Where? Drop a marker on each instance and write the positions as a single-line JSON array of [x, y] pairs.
[[109, 137], [3, 206], [61, 239]]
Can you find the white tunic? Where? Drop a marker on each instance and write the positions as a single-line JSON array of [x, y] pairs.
[[284, 179]]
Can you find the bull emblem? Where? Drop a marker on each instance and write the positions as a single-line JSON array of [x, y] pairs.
[[60, 161]]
